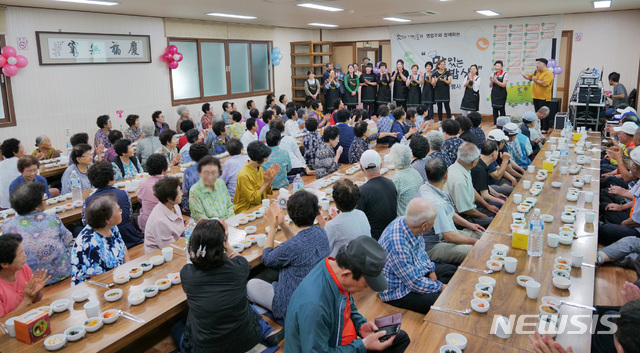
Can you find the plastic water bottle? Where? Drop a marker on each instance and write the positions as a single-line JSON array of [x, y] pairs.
[[298, 183], [564, 155], [188, 230], [536, 237], [69, 148], [76, 186], [404, 141]]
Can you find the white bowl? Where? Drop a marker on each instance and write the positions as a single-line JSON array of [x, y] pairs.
[[58, 209], [478, 293], [522, 280], [578, 184], [250, 229], [245, 243], [98, 324], [68, 206], [498, 252], [547, 218], [121, 278], [556, 184], [450, 349], [568, 218], [562, 260], [113, 314], [561, 273], [457, 340], [163, 284], [535, 191], [113, 295], [174, 278], [156, 260], [487, 280], [541, 177], [572, 197], [238, 247], [561, 283], [150, 291], [251, 217], [80, 295], [243, 220], [484, 287], [553, 309], [146, 265], [46, 309], [60, 305], [485, 305], [136, 298], [80, 332], [51, 202], [494, 265], [562, 267], [498, 258], [55, 342], [565, 239], [551, 301], [138, 271], [258, 214]]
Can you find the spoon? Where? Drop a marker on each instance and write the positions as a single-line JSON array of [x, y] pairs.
[[488, 272], [464, 312]]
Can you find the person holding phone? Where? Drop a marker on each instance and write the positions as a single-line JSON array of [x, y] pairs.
[[322, 314]]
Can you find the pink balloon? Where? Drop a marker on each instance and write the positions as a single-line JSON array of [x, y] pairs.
[[177, 57], [173, 65], [8, 51], [22, 61], [167, 57], [10, 70], [172, 49], [3, 60]]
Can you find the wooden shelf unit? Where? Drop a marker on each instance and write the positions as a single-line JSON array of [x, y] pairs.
[[308, 56]]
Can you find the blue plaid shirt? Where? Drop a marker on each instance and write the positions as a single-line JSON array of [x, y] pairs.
[[407, 263], [189, 178], [450, 147], [384, 124]]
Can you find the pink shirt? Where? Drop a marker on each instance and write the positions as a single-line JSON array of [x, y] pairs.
[[146, 198], [163, 227], [11, 292]]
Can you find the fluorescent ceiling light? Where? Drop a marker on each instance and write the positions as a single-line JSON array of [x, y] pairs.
[[244, 17], [396, 19], [92, 2], [319, 7], [487, 12], [321, 24], [602, 4]]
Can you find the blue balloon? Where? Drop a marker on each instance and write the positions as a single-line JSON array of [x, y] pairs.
[[276, 62], [280, 56], [274, 56], [276, 50]]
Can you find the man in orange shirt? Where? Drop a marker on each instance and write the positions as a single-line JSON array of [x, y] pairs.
[[542, 90]]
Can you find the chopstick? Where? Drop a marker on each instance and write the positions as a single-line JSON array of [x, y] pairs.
[[179, 247], [131, 317], [98, 284]]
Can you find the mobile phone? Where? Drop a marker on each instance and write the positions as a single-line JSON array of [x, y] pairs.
[[391, 330]]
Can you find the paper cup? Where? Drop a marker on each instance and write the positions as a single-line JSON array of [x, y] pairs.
[[576, 259], [265, 203], [11, 327], [324, 203], [167, 253], [552, 240], [564, 170], [587, 178], [526, 184], [517, 198], [261, 239], [531, 169], [589, 217], [588, 197], [510, 264], [533, 289], [547, 154], [553, 147], [92, 308]]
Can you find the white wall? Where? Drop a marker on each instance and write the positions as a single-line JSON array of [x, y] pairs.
[[49, 99]]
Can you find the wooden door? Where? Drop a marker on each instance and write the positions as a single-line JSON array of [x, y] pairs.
[[564, 87]]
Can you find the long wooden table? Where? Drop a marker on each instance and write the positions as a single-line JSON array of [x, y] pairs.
[[508, 297]]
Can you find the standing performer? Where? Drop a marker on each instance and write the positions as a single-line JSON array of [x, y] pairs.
[[369, 82], [441, 80], [542, 90], [384, 90], [331, 92], [427, 90], [351, 85], [311, 86], [399, 79], [413, 84], [471, 98], [498, 83]]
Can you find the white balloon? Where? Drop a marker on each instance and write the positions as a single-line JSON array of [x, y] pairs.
[[176, 57], [12, 60]]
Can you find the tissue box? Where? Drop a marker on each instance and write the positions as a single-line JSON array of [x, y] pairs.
[[548, 166], [520, 239], [32, 326], [577, 137]]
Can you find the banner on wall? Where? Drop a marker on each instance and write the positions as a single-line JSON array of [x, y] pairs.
[[516, 41]]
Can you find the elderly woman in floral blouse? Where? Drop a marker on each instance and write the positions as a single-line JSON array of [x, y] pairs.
[[44, 150], [133, 133], [45, 239], [169, 149], [363, 137], [102, 135], [326, 159], [209, 197]]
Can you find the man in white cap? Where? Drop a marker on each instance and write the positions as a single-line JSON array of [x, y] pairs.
[[519, 146], [378, 196], [529, 120], [511, 172], [625, 137]]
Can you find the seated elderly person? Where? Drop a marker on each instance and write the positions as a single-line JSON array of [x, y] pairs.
[[292, 260], [450, 130], [197, 151], [350, 222], [209, 197], [236, 129], [279, 157], [444, 242], [254, 183], [419, 149], [217, 141], [169, 149], [436, 140], [518, 146], [415, 282], [362, 139], [157, 167], [126, 165], [148, 145], [232, 166], [110, 154], [81, 159], [102, 135], [407, 180], [250, 135], [529, 120], [12, 150], [192, 137], [28, 166], [165, 223], [183, 115], [480, 175], [327, 156], [46, 240], [378, 196], [460, 186], [311, 141], [101, 176], [99, 247], [476, 120], [159, 123], [44, 150], [19, 285], [133, 133], [502, 171], [185, 126], [465, 127], [290, 145]]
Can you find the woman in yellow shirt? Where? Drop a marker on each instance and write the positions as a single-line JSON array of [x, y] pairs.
[[254, 183]]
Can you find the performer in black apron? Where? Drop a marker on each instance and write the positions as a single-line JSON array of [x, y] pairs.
[[427, 90], [369, 82], [471, 98], [311, 87], [384, 87], [498, 84], [399, 78], [331, 92], [441, 79], [351, 85], [414, 81]]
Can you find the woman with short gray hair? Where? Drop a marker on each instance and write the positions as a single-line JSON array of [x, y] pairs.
[[183, 113], [148, 145], [407, 180], [436, 140]]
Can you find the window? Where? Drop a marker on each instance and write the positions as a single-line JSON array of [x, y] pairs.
[[7, 114], [219, 70]]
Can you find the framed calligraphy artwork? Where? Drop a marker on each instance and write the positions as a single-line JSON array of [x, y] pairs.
[[64, 48]]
